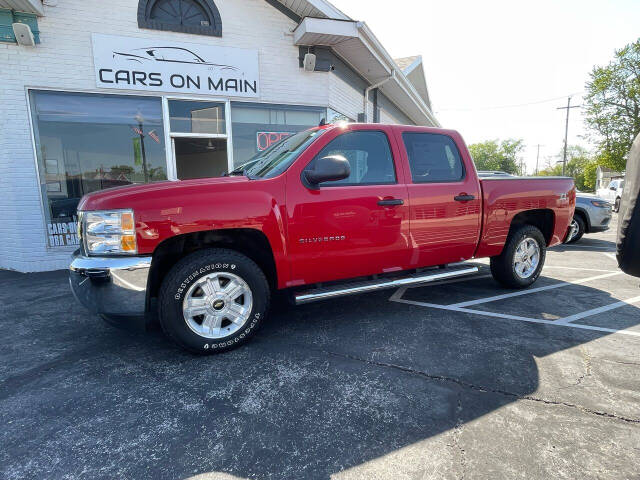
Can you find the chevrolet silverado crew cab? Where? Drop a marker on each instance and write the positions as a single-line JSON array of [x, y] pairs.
[[329, 211]]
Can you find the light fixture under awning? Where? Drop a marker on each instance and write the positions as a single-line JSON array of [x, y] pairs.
[[355, 43]]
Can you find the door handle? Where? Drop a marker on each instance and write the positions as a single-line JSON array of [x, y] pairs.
[[464, 198], [390, 202]]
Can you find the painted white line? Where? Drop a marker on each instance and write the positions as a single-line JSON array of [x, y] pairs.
[[533, 290], [596, 311], [398, 293], [466, 310], [612, 256], [515, 317], [578, 268]]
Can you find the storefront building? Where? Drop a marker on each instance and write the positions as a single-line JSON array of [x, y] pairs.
[[103, 94]]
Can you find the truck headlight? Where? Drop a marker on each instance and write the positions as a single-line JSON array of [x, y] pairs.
[[108, 232]]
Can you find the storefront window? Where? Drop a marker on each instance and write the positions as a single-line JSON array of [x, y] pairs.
[[87, 142], [258, 126]]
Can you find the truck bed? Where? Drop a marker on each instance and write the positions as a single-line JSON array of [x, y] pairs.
[[505, 197]]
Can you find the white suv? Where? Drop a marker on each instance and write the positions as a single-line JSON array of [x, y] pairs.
[[613, 193]]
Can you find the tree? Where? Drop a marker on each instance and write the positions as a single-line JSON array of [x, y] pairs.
[[580, 166], [495, 155], [612, 106]]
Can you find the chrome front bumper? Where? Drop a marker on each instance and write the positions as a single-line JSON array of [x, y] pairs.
[[110, 285]]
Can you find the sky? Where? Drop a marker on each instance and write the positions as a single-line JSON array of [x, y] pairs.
[[499, 69]]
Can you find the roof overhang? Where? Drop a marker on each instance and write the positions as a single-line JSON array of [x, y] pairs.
[[313, 8], [356, 45], [25, 6]]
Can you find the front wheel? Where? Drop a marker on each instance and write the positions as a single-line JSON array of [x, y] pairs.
[[213, 300], [521, 261], [616, 205]]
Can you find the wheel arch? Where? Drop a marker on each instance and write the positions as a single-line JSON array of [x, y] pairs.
[[249, 241], [585, 217], [544, 219]]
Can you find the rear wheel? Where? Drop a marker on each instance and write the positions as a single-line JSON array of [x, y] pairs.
[[576, 229], [616, 205], [213, 300], [521, 261]]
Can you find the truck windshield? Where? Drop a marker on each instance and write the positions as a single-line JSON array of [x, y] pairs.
[[277, 158]]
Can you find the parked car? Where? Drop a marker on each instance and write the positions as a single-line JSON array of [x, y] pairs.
[[330, 211], [593, 214], [613, 193], [493, 173]]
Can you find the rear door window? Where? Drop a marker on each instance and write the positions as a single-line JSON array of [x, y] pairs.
[[433, 158]]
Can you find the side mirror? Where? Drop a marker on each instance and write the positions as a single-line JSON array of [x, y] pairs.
[[612, 188], [328, 169]]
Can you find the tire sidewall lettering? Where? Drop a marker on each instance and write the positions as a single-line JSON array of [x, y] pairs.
[[195, 275], [213, 267]]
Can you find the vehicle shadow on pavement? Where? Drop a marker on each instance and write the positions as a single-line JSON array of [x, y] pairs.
[[323, 388], [587, 244]]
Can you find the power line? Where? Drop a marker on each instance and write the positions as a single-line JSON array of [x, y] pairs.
[[538, 102]]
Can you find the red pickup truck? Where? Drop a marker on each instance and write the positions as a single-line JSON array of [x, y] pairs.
[[329, 211]]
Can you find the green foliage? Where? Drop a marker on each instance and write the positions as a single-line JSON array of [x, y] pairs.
[[495, 155], [580, 166], [612, 106]]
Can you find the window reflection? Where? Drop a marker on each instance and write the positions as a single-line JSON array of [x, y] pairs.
[[258, 126], [87, 142], [196, 117]]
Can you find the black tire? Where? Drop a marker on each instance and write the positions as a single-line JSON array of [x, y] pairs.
[[582, 227], [502, 266], [192, 268], [616, 205]]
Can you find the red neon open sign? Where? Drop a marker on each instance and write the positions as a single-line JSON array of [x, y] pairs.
[[266, 139]]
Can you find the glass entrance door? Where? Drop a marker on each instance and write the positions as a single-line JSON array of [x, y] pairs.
[[199, 138], [200, 157]]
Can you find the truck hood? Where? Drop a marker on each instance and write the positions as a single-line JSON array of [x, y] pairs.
[[129, 195]]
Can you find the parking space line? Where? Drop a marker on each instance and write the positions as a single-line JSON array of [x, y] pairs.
[[533, 290], [596, 311], [397, 297], [579, 268], [611, 255], [440, 282]]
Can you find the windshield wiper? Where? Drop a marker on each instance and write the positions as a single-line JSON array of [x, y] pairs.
[[241, 172]]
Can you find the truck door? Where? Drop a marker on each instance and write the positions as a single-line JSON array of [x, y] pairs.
[[353, 227], [444, 198]]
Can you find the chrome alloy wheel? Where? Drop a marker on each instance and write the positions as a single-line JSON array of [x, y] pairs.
[[217, 305], [527, 257], [573, 230]]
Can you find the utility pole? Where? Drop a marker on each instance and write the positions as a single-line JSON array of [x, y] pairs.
[[538, 159], [566, 132]]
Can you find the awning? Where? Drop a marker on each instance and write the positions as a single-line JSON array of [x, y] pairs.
[[355, 44], [25, 6]]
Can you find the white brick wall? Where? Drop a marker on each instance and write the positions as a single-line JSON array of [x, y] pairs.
[[64, 60]]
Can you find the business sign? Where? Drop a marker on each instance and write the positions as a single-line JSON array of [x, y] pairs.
[[167, 66], [265, 139], [63, 233]]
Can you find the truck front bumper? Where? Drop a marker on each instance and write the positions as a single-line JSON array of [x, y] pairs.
[[115, 286]]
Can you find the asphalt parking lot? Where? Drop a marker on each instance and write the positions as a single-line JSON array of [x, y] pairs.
[[456, 380]]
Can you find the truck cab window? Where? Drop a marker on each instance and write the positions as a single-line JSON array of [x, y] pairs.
[[369, 155], [433, 158]]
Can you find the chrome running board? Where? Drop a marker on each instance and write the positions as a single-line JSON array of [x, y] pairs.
[[352, 288]]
